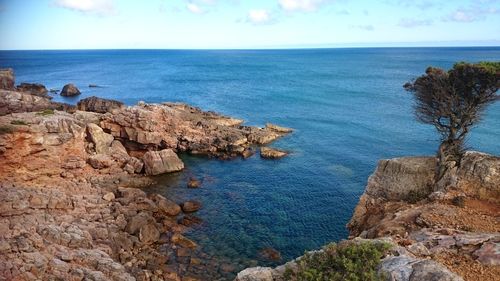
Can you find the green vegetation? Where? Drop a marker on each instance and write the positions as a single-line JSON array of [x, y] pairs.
[[5, 129], [346, 262], [46, 112], [18, 122]]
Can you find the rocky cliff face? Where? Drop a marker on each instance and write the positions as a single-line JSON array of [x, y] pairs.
[[451, 234], [68, 206]]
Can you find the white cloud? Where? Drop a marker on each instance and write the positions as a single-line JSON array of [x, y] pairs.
[[471, 14], [194, 8], [411, 23], [301, 5], [366, 27], [258, 16], [87, 6]]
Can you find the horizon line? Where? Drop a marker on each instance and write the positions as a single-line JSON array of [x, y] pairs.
[[261, 48]]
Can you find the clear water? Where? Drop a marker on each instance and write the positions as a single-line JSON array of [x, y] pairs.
[[347, 105]]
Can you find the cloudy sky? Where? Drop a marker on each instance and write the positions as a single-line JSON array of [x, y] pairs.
[[173, 24]]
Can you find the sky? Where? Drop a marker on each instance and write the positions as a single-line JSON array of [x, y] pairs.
[[236, 24]]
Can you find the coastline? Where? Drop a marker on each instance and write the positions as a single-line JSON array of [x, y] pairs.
[[71, 209]]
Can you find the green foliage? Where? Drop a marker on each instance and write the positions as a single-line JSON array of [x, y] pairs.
[[346, 262], [18, 122], [5, 129], [46, 112], [490, 66]]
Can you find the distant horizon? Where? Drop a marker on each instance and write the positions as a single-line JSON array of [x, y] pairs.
[[268, 48], [237, 24]]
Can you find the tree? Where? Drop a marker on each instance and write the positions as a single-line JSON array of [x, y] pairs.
[[454, 101]]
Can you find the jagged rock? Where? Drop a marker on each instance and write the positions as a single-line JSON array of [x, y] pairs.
[[271, 153], [489, 253], [406, 268], [181, 240], [133, 165], [16, 102], [100, 161], [7, 79], [102, 141], [278, 129], [165, 205], [70, 90], [160, 162], [148, 233], [191, 206], [138, 221], [255, 274], [99, 105], [34, 89]]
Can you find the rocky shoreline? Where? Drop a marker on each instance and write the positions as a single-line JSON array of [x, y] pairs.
[[450, 234], [70, 205]]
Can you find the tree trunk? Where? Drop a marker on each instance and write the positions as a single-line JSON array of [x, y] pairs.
[[448, 158]]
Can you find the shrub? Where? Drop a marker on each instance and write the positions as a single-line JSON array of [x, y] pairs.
[[459, 201], [6, 129], [349, 262], [46, 112], [18, 122]]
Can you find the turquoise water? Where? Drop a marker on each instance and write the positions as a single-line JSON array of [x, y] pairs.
[[347, 105]]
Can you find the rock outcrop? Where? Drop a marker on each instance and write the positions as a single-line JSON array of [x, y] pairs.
[[272, 153], [69, 209], [7, 79], [70, 90], [99, 105], [34, 89], [160, 162]]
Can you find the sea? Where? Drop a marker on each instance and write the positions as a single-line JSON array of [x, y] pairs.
[[347, 107]]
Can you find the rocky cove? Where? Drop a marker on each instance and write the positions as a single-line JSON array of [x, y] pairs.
[[71, 209]]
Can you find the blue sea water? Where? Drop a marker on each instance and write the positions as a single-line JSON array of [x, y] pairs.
[[347, 106]]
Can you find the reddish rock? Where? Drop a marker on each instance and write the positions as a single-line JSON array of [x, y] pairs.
[[191, 206], [160, 162], [7, 79]]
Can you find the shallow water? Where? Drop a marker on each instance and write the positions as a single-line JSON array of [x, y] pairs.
[[347, 106]]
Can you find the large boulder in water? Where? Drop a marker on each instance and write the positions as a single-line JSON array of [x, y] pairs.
[[34, 89], [7, 79], [99, 105], [70, 90], [160, 162]]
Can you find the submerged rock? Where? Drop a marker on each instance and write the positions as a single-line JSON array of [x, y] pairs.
[[278, 129], [70, 90], [193, 183], [191, 206], [160, 162], [271, 153]]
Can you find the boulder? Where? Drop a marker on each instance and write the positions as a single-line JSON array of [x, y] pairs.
[[160, 162], [100, 161], [191, 206], [102, 141], [7, 79], [138, 221], [34, 89], [70, 90], [133, 165], [99, 105], [110, 196], [271, 153], [169, 207], [395, 178], [256, 274], [181, 240], [148, 233]]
